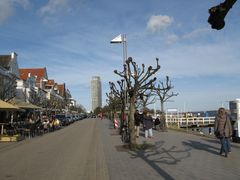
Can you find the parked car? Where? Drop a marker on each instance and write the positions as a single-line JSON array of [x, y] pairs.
[[83, 115], [63, 119]]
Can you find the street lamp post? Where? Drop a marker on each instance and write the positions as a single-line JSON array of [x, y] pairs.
[[122, 38]]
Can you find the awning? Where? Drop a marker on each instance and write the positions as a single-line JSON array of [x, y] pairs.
[[6, 106], [22, 104]]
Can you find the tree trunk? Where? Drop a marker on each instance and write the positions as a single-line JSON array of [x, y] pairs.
[[131, 121], [122, 119], [163, 119]]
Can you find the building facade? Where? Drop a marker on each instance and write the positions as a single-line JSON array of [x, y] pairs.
[[9, 74], [96, 92], [55, 95]]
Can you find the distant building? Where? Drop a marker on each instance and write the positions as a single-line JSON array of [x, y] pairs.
[[96, 92]]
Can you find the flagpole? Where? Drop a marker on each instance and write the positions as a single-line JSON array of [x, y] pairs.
[[126, 95], [124, 38]]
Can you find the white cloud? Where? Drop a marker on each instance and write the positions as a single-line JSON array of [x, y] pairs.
[[54, 10], [159, 22], [172, 39], [201, 60], [24, 3], [195, 59], [53, 7], [196, 33], [7, 8]]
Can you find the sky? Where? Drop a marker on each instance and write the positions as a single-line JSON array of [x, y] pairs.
[[71, 38]]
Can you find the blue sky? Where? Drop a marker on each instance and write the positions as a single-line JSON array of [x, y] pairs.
[[72, 39]]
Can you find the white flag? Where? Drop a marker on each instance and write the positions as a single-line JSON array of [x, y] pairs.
[[119, 39]]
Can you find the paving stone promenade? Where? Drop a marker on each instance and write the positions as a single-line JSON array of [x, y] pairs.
[[176, 155], [91, 149]]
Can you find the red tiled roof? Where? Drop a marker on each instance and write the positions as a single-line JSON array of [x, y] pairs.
[[38, 72]]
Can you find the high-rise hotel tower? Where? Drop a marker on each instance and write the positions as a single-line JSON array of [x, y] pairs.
[[96, 92]]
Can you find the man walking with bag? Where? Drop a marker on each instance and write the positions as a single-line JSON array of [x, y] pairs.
[[223, 130]]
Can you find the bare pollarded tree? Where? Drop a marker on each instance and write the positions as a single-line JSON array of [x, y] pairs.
[[145, 98], [163, 91], [7, 88], [34, 97], [117, 98], [218, 13], [136, 79]]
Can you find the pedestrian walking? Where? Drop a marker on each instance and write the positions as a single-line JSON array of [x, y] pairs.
[[210, 130], [223, 131], [45, 125], [101, 115], [137, 120], [157, 123], [148, 124]]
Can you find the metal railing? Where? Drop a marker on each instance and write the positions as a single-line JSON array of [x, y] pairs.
[[189, 121]]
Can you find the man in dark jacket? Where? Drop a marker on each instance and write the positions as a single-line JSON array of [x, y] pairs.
[[157, 123], [137, 120]]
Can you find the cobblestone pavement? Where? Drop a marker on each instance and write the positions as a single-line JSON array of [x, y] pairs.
[[175, 155]]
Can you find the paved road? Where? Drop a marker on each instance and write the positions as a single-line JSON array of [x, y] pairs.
[[72, 153], [91, 149]]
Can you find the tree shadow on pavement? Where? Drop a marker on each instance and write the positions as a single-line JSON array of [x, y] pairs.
[[217, 141], [202, 146], [158, 154]]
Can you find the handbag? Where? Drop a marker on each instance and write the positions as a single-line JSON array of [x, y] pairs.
[[218, 135], [217, 132]]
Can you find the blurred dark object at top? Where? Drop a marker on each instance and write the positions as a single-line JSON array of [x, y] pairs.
[[218, 13]]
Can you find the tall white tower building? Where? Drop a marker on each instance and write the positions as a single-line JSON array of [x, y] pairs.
[[96, 92]]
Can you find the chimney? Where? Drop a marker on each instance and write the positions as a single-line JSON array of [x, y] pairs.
[[13, 55]]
